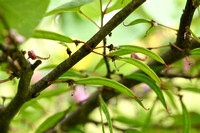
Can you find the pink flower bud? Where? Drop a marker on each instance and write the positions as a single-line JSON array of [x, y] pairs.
[[81, 94], [133, 55], [31, 55]]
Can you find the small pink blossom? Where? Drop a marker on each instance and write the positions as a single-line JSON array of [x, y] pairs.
[[81, 94], [16, 36]]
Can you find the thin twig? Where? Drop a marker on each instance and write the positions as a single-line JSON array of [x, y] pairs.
[[163, 46], [175, 46], [89, 18], [169, 56], [167, 27], [104, 40], [105, 10]]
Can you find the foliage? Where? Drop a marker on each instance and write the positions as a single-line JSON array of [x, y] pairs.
[[60, 92]]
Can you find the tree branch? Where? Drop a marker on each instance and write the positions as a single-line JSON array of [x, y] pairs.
[[83, 51], [25, 73], [79, 116], [27, 92]]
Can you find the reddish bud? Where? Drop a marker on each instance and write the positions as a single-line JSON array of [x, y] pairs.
[[133, 55], [31, 55]]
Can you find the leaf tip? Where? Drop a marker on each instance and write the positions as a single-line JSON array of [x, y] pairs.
[[167, 109], [145, 108], [137, 98], [163, 86], [166, 65], [126, 25]]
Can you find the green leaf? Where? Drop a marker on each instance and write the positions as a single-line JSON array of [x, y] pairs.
[[22, 15], [128, 49], [47, 94], [52, 93], [102, 123], [172, 100], [119, 53], [73, 73], [52, 36], [191, 89], [33, 104], [186, 119], [48, 67], [106, 82], [130, 121], [141, 66], [137, 21], [138, 49], [73, 5], [143, 78], [117, 5], [106, 113], [110, 83], [195, 51], [133, 131], [145, 127], [51, 121], [75, 129], [195, 37], [70, 73]]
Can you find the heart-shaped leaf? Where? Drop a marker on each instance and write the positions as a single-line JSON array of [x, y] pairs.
[[22, 15]]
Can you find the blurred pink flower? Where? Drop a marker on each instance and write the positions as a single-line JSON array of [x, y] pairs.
[[16, 36], [36, 76], [186, 65], [81, 94]]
